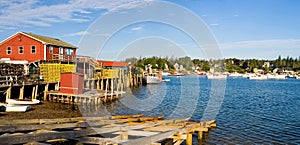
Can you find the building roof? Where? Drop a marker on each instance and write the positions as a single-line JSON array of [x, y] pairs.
[[49, 40], [43, 39], [104, 63]]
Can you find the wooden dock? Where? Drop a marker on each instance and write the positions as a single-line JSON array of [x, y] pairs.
[[122, 130], [92, 97]]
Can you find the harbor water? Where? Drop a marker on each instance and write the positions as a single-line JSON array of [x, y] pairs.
[[262, 112]]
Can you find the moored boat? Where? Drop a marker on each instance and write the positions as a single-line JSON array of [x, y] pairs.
[[16, 108], [258, 77], [13, 108], [235, 75], [276, 76], [22, 101], [152, 78], [216, 76]]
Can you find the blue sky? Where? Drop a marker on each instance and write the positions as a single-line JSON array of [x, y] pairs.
[[260, 29]]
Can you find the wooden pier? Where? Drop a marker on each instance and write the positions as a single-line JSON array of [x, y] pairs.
[[92, 97], [123, 130]]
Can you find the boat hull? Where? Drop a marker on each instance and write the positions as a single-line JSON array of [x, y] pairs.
[[22, 102], [152, 80]]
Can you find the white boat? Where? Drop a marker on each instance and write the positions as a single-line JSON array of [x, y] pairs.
[[247, 75], [152, 78], [217, 77], [165, 73], [22, 102], [297, 77], [165, 80], [258, 77], [276, 76], [15, 108], [235, 75]]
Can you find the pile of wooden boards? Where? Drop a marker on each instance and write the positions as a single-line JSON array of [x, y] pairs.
[[125, 129]]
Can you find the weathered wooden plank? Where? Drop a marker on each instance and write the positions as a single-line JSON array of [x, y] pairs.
[[36, 143], [52, 121], [149, 139], [98, 140], [163, 128], [18, 139], [138, 133], [127, 116]]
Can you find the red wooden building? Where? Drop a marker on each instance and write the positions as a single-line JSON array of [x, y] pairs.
[[32, 47], [71, 83], [111, 64]]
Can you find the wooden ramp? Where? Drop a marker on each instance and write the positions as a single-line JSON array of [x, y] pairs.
[[123, 130]]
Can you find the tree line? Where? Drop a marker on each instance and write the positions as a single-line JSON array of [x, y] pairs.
[[229, 64]]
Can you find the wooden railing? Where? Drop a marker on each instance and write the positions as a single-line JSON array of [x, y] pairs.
[[63, 57]]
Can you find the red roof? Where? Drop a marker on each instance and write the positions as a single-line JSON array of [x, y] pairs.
[[111, 63]]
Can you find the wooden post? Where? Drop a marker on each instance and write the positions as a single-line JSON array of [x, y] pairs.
[[130, 77], [112, 88], [45, 92], [57, 86], [36, 91], [98, 84], [87, 84], [124, 135], [134, 80], [102, 84], [21, 95], [122, 80], [106, 87], [200, 135], [33, 92], [8, 92], [189, 138], [93, 84]]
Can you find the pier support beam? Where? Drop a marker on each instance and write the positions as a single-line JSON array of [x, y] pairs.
[[45, 92], [33, 92], [36, 91], [21, 94], [189, 138]]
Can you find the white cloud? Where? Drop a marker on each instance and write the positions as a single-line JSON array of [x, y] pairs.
[[214, 24], [277, 43], [136, 29], [81, 33], [15, 13]]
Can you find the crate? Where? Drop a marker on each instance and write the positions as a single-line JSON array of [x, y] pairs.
[[110, 73]]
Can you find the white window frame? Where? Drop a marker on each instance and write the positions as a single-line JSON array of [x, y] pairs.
[[20, 49], [61, 50], [10, 50], [69, 51], [32, 49], [51, 49]]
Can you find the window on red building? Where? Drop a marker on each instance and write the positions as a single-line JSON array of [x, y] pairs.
[[8, 50], [50, 49], [21, 50], [61, 50], [33, 49]]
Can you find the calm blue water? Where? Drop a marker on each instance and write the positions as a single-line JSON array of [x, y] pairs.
[[263, 112]]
